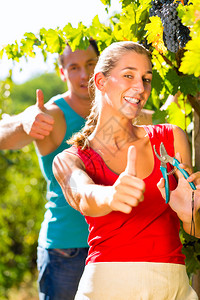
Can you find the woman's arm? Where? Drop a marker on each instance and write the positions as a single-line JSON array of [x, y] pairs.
[[91, 199], [78, 188]]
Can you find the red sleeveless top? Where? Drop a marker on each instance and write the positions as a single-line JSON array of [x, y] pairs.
[[150, 233]]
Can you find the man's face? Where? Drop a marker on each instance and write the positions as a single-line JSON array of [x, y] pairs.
[[77, 69]]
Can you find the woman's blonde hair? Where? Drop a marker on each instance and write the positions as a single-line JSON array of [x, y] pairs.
[[106, 62]]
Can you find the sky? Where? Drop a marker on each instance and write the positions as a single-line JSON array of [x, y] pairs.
[[18, 17]]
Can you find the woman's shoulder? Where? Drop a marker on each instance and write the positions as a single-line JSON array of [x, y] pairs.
[[86, 155], [79, 151]]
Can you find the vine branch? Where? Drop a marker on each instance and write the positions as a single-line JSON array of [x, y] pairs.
[[195, 102]]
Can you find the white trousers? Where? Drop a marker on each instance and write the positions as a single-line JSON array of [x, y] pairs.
[[135, 281]]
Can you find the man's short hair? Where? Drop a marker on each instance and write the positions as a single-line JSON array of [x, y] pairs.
[[92, 42]]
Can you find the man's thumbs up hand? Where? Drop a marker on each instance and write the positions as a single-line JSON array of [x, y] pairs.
[[35, 121], [40, 99], [128, 189]]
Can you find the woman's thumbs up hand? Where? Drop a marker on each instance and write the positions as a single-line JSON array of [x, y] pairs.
[[128, 189]]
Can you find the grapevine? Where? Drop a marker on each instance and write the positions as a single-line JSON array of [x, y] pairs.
[[175, 34]]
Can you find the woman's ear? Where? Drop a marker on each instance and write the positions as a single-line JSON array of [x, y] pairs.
[[99, 80]]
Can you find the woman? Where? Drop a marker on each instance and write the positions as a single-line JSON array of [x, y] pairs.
[[112, 176]]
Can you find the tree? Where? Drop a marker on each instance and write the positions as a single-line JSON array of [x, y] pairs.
[[22, 189]]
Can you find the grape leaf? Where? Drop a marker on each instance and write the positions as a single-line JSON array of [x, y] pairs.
[[191, 60], [155, 34], [188, 85], [172, 81], [177, 116], [53, 41], [157, 82]]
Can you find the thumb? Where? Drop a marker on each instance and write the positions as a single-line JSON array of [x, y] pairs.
[[39, 99], [131, 159]]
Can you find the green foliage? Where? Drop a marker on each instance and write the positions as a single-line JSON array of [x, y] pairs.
[[191, 249], [13, 51], [23, 95], [28, 43], [159, 116], [52, 40], [80, 37], [22, 188], [102, 33], [106, 2], [21, 212], [192, 56], [5, 87], [155, 33], [177, 117], [132, 21], [190, 16]]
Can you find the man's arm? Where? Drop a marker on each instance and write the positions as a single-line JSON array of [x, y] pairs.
[[12, 134], [20, 130]]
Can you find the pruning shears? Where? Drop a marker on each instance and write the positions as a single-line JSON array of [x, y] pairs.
[[165, 158]]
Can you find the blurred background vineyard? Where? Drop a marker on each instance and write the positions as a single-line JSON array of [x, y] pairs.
[[22, 189]]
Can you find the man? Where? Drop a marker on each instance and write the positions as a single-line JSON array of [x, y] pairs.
[[62, 244]]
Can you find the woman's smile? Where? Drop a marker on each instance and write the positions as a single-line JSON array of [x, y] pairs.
[[132, 100]]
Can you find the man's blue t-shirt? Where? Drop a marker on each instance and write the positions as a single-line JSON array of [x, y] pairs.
[[63, 227]]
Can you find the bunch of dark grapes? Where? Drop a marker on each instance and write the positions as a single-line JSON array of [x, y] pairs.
[[175, 34]]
